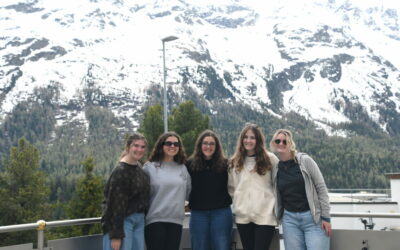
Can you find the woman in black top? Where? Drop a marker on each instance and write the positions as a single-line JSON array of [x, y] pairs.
[[211, 215], [302, 196], [126, 198]]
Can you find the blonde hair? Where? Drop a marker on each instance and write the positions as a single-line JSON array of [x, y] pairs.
[[289, 141]]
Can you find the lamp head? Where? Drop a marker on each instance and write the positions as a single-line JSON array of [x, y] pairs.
[[169, 38]]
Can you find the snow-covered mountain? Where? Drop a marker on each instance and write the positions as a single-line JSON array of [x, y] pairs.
[[330, 61]]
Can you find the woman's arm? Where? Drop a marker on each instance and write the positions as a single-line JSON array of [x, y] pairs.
[[188, 184], [231, 181], [117, 200], [320, 186]]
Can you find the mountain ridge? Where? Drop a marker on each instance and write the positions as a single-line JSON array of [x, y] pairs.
[[277, 61]]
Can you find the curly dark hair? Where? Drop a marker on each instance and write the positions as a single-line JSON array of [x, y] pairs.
[[157, 154], [219, 162], [263, 162]]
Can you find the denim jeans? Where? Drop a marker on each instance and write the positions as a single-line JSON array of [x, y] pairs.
[[134, 234], [211, 229], [300, 232]]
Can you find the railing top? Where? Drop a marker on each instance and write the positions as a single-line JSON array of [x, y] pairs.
[[358, 189], [370, 215], [76, 222], [20, 227], [49, 224]]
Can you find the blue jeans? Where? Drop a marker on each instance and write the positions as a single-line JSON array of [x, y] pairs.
[[300, 232], [134, 234], [211, 229]]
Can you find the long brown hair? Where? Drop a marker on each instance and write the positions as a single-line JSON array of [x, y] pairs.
[[263, 162], [219, 162], [128, 143], [157, 154]]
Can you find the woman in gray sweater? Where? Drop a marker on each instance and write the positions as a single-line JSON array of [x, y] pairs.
[[302, 197], [170, 186]]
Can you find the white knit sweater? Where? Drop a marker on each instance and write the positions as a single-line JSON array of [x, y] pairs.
[[252, 194]]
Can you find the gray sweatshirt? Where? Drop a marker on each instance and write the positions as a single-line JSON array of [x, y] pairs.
[[170, 186]]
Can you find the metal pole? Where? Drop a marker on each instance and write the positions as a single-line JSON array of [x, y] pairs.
[[164, 40], [40, 240], [41, 225], [165, 91]]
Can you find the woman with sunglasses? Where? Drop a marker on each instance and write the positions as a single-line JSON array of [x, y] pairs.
[[126, 199], [251, 188], [302, 196], [211, 216], [170, 187]]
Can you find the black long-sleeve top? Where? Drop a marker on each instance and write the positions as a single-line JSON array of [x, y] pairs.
[[292, 187], [127, 191], [209, 188]]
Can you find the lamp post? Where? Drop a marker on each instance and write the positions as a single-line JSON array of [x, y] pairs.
[[164, 40]]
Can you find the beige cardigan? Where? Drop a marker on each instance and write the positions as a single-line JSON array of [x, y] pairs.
[[252, 194]]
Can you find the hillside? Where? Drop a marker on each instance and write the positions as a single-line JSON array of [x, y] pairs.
[[76, 76]]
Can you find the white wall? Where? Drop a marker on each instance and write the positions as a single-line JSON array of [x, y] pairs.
[[395, 189]]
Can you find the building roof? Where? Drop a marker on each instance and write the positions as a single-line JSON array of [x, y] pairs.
[[393, 175]]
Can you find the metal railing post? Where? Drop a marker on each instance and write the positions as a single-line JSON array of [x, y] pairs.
[[41, 225]]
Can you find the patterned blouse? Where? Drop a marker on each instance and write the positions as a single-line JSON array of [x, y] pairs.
[[127, 191]]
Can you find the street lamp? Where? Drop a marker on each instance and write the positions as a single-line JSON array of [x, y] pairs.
[[164, 40]]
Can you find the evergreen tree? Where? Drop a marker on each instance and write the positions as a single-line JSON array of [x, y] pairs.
[[188, 122], [86, 202], [152, 125], [23, 191]]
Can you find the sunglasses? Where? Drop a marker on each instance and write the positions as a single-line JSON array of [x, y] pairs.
[[170, 143], [278, 141]]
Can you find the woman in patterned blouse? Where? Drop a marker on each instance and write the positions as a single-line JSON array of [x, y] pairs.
[[126, 198]]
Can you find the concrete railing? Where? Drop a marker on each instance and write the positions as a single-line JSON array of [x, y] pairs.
[[41, 225]]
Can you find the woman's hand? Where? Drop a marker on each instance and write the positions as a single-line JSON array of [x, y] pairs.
[[327, 227], [116, 244]]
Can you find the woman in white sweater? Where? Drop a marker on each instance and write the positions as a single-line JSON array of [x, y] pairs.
[[250, 186]]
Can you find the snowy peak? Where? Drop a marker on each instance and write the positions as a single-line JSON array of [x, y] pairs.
[[332, 62]]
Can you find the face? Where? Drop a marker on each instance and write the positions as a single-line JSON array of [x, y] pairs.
[[208, 146], [281, 144], [249, 142], [171, 147], [137, 149]]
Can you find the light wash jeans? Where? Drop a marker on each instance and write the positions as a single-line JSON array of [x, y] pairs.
[[134, 234], [211, 229], [300, 232]]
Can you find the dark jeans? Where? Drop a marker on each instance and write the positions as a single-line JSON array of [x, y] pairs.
[[211, 229], [163, 236], [255, 237]]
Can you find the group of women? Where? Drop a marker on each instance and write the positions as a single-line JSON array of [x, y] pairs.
[[145, 205]]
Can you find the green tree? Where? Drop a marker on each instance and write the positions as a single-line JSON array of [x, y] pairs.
[[152, 125], [188, 122], [23, 191], [86, 202]]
